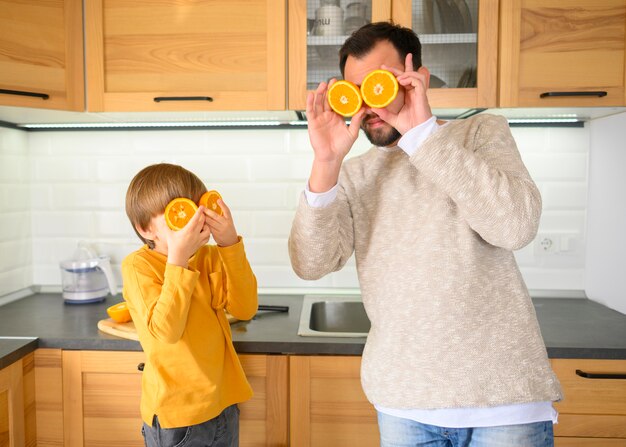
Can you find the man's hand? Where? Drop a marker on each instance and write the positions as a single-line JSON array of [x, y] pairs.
[[330, 137], [416, 109], [222, 227]]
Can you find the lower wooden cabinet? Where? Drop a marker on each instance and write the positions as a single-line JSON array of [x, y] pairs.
[[17, 403], [328, 406], [593, 410], [91, 398]]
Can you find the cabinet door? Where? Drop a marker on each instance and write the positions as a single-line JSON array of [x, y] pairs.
[[594, 402], [102, 392], [171, 55], [459, 47], [327, 405], [41, 54], [562, 53], [13, 404], [316, 32]]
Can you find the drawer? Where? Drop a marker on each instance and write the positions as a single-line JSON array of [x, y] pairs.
[[594, 399]]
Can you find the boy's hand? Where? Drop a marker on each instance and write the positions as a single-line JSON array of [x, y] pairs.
[[222, 227], [184, 243]]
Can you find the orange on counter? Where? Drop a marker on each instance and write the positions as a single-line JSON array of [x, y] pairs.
[[209, 201], [178, 212], [379, 88], [119, 313], [344, 98]]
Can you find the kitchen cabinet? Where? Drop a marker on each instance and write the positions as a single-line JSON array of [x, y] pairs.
[[41, 54], [556, 53], [328, 407], [185, 56], [92, 398], [593, 410], [17, 399], [461, 55]]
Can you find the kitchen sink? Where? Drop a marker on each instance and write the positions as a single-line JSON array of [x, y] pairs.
[[333, 316]]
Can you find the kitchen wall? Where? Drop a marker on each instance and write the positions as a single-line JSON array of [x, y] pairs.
[[16, 251], [78, 182]]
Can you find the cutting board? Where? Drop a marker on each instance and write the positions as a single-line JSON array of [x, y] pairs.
[[128, 330]]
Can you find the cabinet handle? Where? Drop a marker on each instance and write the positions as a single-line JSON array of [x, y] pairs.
[[273, 308], [21, 93], [587, 375], [183, 98], [140, 366], [599, 94]]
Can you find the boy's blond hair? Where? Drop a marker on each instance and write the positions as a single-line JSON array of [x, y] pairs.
[[154, 187]]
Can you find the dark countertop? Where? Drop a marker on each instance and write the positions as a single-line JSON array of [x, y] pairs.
[[572, 328], [13, 349]]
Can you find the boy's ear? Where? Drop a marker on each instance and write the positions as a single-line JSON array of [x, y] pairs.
[[147, 234]]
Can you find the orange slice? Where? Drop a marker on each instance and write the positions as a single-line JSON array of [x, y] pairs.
[[379, 88], [344, 98], [209, 201], [178, 212], [119, 312]]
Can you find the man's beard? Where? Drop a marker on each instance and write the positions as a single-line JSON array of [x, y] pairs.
[[382, 136]]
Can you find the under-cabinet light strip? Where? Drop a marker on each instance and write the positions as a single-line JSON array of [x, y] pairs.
[[162, 125], [236, 124]]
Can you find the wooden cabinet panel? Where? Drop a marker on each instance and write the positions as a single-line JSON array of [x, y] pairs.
[[555, 46], [328, 406], [41, 52], [102, 392], [13, 385], [591, 408], [232, 51]]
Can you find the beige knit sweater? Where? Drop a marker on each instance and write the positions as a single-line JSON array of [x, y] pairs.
[[453, 325]]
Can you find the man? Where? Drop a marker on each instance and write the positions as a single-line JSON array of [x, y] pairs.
[[432, 213]]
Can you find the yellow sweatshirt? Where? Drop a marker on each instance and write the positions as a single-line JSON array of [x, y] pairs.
[[192, 371]]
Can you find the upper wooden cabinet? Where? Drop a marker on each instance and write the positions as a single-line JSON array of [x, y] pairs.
[[170, 55], [41, 54], [459, 45], [562, 53]]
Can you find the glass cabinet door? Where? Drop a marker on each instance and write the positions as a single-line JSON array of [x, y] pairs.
[[459, 44], [459, 47], [317, 29]]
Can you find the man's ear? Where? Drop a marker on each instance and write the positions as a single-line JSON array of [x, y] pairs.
[[424, 71]]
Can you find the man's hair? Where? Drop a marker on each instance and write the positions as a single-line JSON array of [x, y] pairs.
[[363, 40], [154, 187]]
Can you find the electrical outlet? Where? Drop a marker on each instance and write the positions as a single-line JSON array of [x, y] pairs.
[[553, 243], [547, 243]]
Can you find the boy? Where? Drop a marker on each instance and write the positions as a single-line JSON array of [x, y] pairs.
[[177, 289]]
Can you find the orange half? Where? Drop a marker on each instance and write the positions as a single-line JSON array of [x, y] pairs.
[[209, 201], [379, 88], [344, 98], [178, 212], [119, 312]]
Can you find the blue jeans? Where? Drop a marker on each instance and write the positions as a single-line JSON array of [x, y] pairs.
[[400, 432], [221, 431]]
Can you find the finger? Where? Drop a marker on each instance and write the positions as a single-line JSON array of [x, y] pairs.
[[355, 121], [319, 97], [325, 102], [408, 62], [225, 209], [394, 70]]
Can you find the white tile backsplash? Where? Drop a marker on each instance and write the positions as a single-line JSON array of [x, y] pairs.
[[16, 250], [71, 186]]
